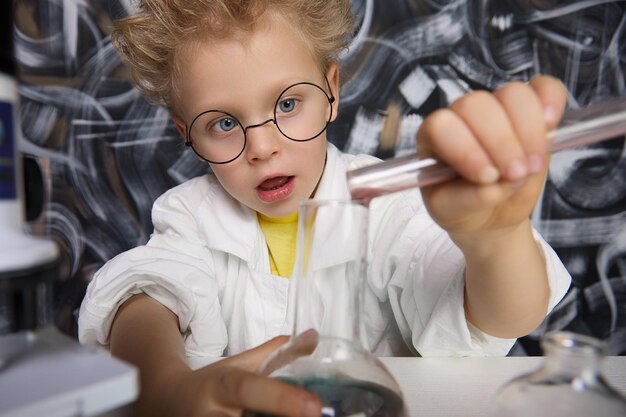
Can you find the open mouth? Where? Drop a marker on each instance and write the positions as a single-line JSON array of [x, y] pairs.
[[275, 188], [273, 183]]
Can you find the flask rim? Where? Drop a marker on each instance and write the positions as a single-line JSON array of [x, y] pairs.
[[574, 343], [330, 202]]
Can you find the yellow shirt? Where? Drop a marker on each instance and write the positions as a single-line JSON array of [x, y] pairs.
[[280, 235]]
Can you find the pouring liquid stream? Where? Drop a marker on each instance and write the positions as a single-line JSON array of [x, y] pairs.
[[594, 123]]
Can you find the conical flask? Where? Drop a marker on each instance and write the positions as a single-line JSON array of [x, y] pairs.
[[327, 353], [568, 383]]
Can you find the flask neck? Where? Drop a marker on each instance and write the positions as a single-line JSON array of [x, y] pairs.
[[329, 271], [570, 354], [336, 316]]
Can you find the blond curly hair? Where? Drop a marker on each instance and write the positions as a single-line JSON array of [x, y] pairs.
[[151, 40]]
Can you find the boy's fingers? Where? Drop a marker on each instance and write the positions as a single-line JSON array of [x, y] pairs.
[[240, 387], [486, 137], [455, 145], [553, 95], [491, 125], [526, 115], [306, 342], [250, 391], [302, 345], [477, 137], [252, 359]]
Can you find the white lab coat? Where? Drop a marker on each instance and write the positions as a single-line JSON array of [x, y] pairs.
[[207, 261]]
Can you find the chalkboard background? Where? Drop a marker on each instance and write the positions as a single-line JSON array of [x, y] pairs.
[[106, 154]]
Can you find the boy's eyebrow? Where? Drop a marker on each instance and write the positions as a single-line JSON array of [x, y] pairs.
[[270, 97]]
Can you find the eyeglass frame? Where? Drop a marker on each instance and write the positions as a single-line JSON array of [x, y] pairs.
[[331, 100]]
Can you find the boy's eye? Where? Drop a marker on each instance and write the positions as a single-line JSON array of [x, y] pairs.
[[287, 105], [224, 125]]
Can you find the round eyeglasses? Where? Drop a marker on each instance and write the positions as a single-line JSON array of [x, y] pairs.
[[302, 112]]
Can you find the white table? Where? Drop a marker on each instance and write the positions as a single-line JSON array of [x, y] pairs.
[[463, 387], [57, 377], [48, 374]]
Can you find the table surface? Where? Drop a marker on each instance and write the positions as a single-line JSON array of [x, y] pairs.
[[464, 387], [438, 387], [57, 373]]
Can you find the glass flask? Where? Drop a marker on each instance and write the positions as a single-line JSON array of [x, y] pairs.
[[568, 383], [327, 352]]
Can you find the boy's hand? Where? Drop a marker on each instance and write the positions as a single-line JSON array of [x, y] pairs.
[[230, 386], [497, 143], [146, 334]]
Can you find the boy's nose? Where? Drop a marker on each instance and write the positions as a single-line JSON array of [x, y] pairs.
[[262, 140]]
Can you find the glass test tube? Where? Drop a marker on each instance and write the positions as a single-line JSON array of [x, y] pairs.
[[591, 124]]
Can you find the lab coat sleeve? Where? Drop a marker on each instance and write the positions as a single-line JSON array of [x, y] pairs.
[[422, 272], [174, 268]]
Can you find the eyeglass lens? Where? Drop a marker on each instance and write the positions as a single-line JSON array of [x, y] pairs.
[[302, 113]]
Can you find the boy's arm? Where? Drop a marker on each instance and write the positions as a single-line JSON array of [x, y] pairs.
[[506, 284], [497, 142], [146, 334]]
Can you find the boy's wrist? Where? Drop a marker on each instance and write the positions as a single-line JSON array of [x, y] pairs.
[[485, 245]]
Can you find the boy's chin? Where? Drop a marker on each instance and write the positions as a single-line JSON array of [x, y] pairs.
[[280, 210]]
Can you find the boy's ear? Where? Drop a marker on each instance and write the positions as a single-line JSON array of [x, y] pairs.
[[332, 75], [180, 126]]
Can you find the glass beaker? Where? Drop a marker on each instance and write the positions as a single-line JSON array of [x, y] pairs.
[[568, 383], [327, 353]]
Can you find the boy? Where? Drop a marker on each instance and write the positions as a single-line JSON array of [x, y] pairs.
[[251, 87]]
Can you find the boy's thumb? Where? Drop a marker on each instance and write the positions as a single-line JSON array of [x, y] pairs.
[[252, 359]]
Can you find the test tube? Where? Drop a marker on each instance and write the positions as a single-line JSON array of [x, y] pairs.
[[594, 123]]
